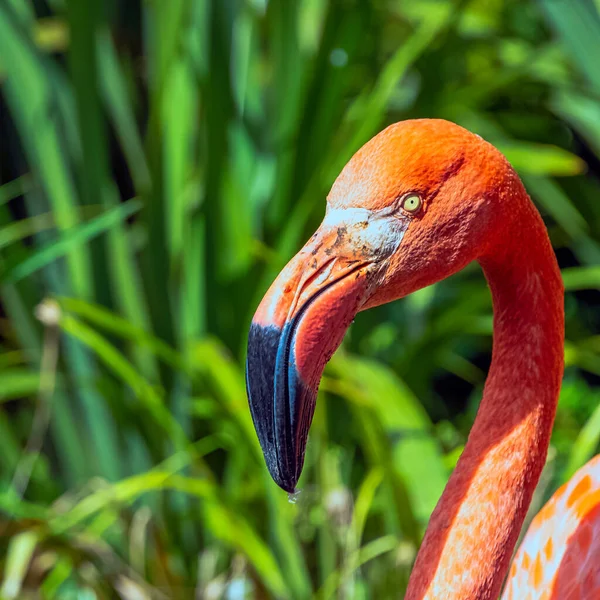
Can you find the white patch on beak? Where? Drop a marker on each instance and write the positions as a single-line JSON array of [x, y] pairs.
[[370, 232]]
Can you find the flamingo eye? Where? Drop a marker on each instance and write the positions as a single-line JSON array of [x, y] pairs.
[[411, 203]]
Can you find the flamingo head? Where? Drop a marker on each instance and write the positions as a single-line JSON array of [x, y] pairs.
[[414, 205]]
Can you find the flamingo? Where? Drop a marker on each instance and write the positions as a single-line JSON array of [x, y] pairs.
[[417, 203]]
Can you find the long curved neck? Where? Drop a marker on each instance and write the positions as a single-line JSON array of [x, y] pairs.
[[475, 526]]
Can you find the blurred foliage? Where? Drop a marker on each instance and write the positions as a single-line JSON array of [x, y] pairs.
[[160, 162]]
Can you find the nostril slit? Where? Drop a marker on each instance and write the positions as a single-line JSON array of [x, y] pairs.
[[326, 267], [325, 272]]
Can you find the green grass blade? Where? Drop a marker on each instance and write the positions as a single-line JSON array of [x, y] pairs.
[[400, 414], [15, 188], [20, 553], [114, 90], [68, 240], [581, 278], [118, 364], [579, 29], [31, 98], [368, 110], [541, 159], [586, 444], [582, 112], [18, 383], [121, 327], [552, 198]]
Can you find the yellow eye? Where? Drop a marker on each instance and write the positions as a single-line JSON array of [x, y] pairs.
[[411, 203]]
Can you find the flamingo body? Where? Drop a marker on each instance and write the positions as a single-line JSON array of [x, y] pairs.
[[559, 558], [414, 205]]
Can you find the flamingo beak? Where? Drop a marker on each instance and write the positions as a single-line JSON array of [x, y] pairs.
[[299, 324]]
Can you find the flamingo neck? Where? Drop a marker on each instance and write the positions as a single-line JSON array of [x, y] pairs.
[[472, 532]]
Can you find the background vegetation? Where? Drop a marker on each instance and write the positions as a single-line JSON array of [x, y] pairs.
[[160, 162]]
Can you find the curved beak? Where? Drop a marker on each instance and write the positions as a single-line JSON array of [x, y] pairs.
[[300, 323]]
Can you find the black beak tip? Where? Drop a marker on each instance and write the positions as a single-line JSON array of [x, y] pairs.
[[274, 396], [288, 484]]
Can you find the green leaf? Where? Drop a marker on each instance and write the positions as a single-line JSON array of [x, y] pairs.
[[581, 278], [562, 209], [585, 445], [541, 159], [404, 421], [114, 89], [32, 96], [579, 29], [19, 555], [18, 383], [68, 240], [582, 112], [225, 524], [117, 325], [15, 188], [123, 369]]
